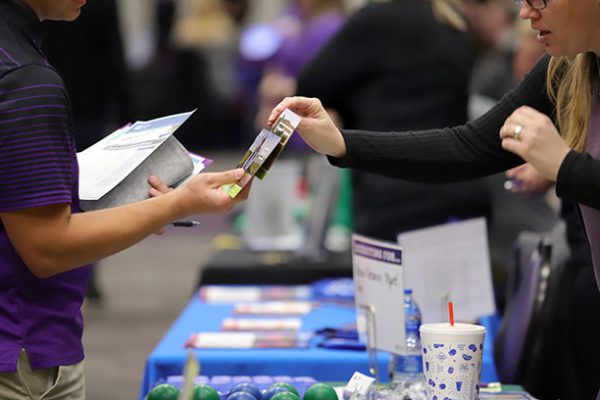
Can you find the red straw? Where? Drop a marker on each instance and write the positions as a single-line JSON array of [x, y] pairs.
[[451, 313]]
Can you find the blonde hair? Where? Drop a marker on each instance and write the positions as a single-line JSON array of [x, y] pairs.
[[447, 11], [568, 84]]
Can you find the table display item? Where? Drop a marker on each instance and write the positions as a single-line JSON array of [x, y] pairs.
[[360, 387], [205, 392], [287, 386], [241, 396], [260, 387], [164, 391], [261, 324], [320, 391], [247, 387], [248, 340], [452, 357], [269, 393], [406, 369], [285, 395], [279, 308]]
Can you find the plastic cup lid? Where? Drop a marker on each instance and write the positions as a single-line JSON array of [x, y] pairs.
[[458, 328]]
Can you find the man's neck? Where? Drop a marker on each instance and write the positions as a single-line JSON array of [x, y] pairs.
[[35, 7]]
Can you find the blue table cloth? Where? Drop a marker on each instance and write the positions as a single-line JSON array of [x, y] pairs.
[[322, 364]]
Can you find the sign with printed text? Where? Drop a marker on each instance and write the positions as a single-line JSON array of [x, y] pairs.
[[379, 293], [449, 262]]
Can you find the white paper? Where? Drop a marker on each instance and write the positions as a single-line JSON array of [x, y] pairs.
[[225, 340], [106, 163], [449, 263], [261, 324], [377, 270], [274, 308]]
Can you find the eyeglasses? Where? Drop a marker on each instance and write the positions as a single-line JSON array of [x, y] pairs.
[[535, 4]]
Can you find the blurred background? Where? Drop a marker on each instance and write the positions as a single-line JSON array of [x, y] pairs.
[[232, 61]]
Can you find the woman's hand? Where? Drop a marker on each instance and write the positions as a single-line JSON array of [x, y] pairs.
[[316, 127], [526, 179], [532, 136]]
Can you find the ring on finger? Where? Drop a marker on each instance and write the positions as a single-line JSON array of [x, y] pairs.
[[517, 132]]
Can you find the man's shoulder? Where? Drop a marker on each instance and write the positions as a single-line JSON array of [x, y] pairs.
[[17, 51], [30, 75]]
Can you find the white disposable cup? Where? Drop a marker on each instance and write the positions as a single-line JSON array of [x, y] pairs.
[[452, 357]]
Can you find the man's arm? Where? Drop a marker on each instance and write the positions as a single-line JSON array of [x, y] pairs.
[[50, 239]]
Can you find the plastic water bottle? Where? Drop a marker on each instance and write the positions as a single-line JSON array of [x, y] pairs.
[[406, 370]]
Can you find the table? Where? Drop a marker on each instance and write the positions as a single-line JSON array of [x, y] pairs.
[[322, 364]]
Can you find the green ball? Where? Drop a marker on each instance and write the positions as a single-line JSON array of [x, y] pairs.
[[320, 391], [285, 396], [205, 392], [164, 391], [287, 386]]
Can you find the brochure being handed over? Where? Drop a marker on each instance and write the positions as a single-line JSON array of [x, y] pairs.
[[265, 149]]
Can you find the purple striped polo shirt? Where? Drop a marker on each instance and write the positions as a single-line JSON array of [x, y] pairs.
[[38, 167]]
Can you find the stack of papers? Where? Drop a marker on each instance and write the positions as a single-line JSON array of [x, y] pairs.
[[115, 170]]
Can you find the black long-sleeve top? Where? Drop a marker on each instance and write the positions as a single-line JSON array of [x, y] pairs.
[[472, 150], [395, 66]]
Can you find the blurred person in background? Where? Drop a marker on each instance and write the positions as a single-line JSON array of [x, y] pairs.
[[88, 53], [400, 64], [304, 28], [46, 242], [527, 51], [551, 120], [491, 23]]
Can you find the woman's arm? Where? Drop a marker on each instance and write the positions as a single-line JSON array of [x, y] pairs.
[[439, 155], [579, 179], [450, 154]]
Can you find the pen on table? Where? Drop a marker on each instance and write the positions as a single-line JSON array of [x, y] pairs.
[[186, 224]]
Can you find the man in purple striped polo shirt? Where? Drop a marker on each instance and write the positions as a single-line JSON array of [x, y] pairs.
[[44, 239]]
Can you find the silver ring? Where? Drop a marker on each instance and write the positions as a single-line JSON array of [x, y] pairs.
[[517, 132]]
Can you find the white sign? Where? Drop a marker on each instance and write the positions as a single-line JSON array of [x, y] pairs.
[[377, 270], [449, 263]]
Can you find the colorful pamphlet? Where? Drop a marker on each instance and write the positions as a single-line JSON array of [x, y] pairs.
[[261, 324], [265, 149], [274, 308], [248, 340]]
